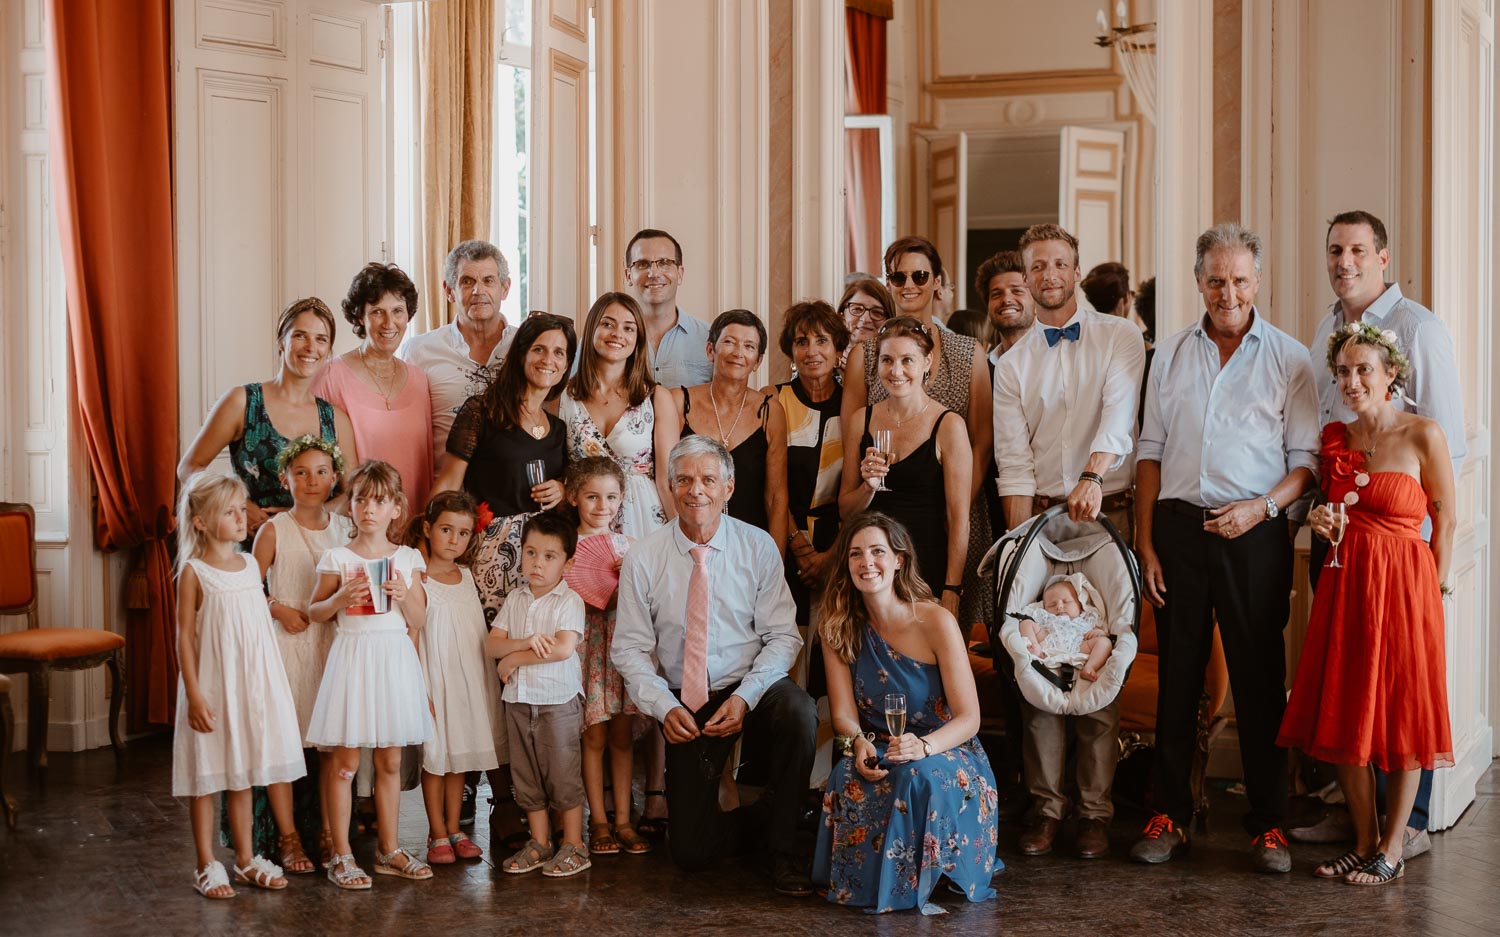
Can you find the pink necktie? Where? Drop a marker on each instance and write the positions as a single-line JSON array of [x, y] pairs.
[[695, 642]]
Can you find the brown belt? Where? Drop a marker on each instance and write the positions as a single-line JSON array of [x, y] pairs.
[[1119, 501]]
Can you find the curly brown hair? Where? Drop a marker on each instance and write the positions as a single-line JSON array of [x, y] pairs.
[[369, 285], [446, 502]]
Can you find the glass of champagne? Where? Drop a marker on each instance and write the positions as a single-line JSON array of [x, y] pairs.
[[882, 441], [1336, 535], [895, 714]]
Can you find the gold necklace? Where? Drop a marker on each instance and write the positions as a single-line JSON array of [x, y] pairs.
[[538, 429], [717, 422], [383, 391], [900, 420]]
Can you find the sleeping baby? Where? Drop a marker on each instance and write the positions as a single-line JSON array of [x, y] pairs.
[[1064, 628]]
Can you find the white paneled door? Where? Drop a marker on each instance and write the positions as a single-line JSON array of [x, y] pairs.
[[281, 175], [1091, 192], [947, 211], [560, 243]]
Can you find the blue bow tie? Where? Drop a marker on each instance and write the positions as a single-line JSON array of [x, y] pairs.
[[1056, 335]]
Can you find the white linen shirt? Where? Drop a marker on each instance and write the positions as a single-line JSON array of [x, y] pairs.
[[1234, 433], [1425, 341], [752, 631], [524, 615], [1053, 406], [452, 376]]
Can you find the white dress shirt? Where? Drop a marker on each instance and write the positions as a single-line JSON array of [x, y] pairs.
[[1234, 433], [524, 615], [1054, 406], [1425, 341], [452, 376], [752, 631]]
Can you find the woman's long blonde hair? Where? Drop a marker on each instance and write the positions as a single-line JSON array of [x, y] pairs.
[[843, 609], [205, 495]]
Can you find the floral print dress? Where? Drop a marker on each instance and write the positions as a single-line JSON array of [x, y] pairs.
[[884, 845], [632, 445]]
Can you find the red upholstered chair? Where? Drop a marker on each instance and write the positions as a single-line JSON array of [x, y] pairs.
[[37, 652]]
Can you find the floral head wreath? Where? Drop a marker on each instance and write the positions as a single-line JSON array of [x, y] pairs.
[[1363, 333], [303, 443]]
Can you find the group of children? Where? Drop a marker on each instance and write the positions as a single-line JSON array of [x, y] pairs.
[[410, 662]]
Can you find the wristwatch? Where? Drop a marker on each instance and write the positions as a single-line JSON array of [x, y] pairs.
[[1272, 510]]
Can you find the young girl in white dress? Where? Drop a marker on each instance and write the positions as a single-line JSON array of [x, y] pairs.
[[372, 694], [236, 722], [288, 548], [460, 681]]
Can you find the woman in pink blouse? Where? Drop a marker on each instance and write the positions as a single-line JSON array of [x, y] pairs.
[[387, 400]]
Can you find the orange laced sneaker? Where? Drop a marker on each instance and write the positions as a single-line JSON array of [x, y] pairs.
[[1160, 841], [1270, 852]]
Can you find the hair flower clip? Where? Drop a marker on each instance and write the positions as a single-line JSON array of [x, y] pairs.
[[484, 516]]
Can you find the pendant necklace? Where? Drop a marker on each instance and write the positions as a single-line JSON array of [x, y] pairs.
[[383, 391], [718, 423]]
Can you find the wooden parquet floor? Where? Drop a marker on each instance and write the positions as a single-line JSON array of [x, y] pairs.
[[107, 855]]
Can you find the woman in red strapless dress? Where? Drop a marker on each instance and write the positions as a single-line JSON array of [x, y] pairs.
[[1370, 689]]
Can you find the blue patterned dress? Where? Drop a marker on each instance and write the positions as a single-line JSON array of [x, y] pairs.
[[884, 845]]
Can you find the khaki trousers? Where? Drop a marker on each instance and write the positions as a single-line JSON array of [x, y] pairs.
[[1044, 755]]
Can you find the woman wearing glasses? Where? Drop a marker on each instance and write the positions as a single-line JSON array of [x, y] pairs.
[[865, 306], [749, 422], [907, 455], [959, 380]]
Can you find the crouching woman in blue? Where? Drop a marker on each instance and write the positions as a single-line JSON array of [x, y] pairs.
[[900, 813]]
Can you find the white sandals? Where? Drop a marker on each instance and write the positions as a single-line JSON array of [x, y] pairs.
[[210, 877], [343, 872], [262, 873], [414, 868]]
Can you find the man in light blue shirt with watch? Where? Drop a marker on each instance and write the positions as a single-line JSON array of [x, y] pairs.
[[1230, 436], [705, 636]]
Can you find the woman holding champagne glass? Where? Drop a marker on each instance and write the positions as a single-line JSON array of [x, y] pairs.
[[1370, 689], [913, 799], [908, 456]]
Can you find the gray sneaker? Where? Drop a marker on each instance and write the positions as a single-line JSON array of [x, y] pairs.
[[1270, 853], [1159, 842], [1336, 827], [1414, 842]]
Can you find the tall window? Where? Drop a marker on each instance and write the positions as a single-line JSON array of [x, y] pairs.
[[510, 203]]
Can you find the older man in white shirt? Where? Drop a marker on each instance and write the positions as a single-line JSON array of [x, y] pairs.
[[705, 636], [1230, 437], [461, 358], [1065, 402]]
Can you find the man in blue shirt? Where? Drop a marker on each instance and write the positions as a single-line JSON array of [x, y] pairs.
[[679, 342]]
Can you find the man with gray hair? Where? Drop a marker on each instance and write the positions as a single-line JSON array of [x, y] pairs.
[[1230, 438], [704, 637], [462, 357]]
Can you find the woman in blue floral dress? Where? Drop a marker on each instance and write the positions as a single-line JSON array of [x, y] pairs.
[[900, 813]]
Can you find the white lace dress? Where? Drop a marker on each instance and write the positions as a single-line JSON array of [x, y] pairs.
[[373, 694], [255, 740], [293, 578], [1063, 642], [460, 680], [632, 445]]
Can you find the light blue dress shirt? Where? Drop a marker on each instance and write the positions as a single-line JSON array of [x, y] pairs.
[[1231, 433], [1425, 341], [681, 360], [752, 631]]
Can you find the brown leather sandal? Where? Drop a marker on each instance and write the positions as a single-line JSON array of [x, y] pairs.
[[293, 857], [633, 843]]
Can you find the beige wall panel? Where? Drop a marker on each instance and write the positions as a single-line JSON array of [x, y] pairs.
[[255, 26], [338, 42], [340, 223], [970, 37]]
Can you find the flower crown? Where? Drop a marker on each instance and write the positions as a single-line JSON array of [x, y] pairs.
[[305, 442], [1366, 334]]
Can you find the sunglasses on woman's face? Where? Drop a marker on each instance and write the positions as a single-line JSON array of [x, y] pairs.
[[919, 277]]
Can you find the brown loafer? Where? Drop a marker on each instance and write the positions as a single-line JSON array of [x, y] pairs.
[[1093, 838], [1037, 840]]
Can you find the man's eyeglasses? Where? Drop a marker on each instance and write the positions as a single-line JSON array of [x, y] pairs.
[[643, 267], [919, 277], [859, 311]]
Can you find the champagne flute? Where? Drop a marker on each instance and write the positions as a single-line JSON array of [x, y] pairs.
[[882, 442], [1336, 535], [895, 714]]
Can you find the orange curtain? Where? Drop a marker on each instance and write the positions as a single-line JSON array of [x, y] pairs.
[[865, 74], [112, 192]]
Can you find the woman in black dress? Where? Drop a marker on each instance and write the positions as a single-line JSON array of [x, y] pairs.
[[927, 479], [495, 435], [749, 422]]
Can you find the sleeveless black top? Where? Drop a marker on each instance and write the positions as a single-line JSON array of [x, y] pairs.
[[918, 500], [748, 503]]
